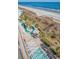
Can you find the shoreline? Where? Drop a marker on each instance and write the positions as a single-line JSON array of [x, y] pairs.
[[46, 9], [41, 12]]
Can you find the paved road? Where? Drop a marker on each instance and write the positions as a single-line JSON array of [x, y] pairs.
[[19, 54], [21, 46]]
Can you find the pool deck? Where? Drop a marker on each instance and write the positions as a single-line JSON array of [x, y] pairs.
[[31, 44]]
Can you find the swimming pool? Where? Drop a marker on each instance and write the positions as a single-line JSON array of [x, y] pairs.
[[26, 28], [39, 54]]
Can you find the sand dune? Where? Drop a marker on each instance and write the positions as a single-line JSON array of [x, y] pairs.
[[40, 12]]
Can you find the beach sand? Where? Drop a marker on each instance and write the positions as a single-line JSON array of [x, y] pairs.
[[40, 12]]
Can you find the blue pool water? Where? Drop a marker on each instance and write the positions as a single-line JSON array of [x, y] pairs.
[[49, 5], [39, 54]]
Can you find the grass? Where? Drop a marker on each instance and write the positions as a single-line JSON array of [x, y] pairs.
[[53, 51], [45, 37]]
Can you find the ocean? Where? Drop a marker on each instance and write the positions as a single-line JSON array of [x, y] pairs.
[[47, 5]]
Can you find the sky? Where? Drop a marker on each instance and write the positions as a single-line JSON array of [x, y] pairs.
[[38, 0]]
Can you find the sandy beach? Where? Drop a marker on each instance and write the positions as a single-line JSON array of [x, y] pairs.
[[40, 12]]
